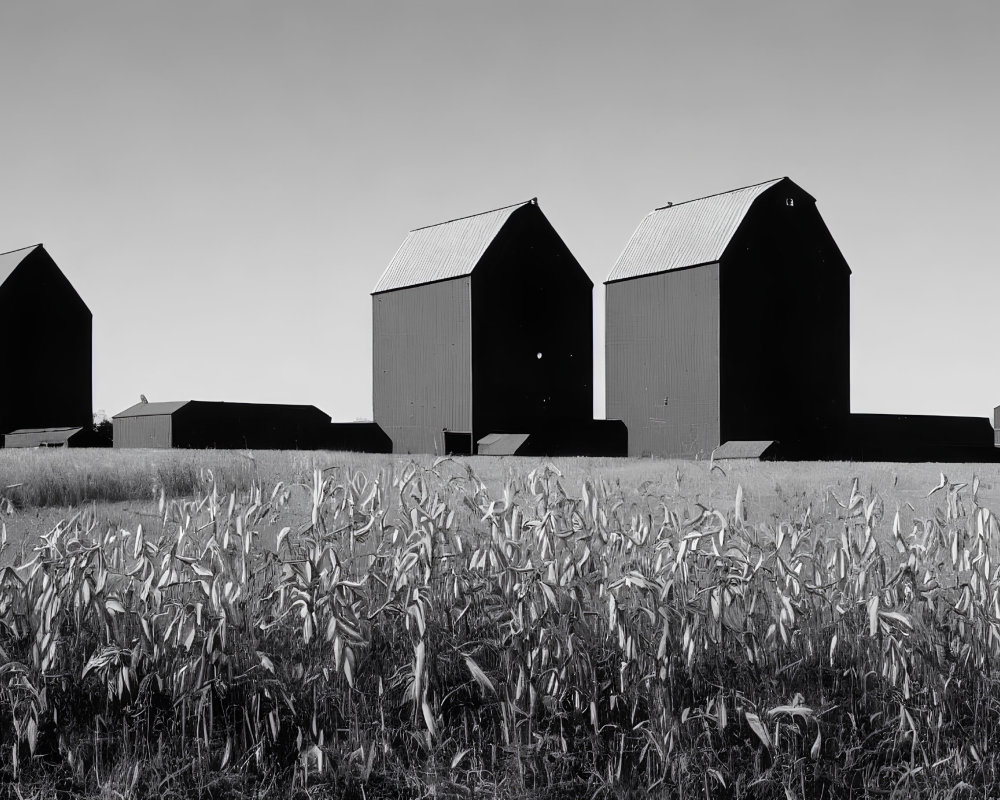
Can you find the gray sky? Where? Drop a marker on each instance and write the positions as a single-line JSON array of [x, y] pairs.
[[224, 181]]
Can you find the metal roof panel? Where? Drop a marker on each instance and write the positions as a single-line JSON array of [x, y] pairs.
[[444, 251], [742, 449], [12, 260], [501, 444], [151, 409], [686, 234]]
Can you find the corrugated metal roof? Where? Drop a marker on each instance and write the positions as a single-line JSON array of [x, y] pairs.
[[501, 444], [686, 234], [12, 260], [742, 449], [151, 409], [443, 251], [47, 430], [40, 437]]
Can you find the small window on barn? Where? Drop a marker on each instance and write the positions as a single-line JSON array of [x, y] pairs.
[[789, 201]]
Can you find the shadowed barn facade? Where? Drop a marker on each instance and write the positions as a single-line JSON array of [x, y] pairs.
[[47, 336], [481, 325], [728, 320]]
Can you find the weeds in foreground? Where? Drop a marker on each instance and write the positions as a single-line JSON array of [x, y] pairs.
[[418, 635]]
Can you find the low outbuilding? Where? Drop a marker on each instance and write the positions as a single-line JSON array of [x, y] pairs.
[[597, 437], [223, 426], [55, 437]]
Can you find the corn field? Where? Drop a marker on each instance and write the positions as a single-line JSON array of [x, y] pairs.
[[414, 635]]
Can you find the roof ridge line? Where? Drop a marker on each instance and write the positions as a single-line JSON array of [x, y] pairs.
[[19, 249], [532, 201], [717, 194]]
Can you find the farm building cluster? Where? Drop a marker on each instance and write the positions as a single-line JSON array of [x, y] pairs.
[[727, 333]]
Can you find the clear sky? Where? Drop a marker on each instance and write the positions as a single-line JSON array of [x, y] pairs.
[[224, 180]]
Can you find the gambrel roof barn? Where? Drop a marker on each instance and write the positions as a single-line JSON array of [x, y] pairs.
[[728, 320], [47, 334], [481, 325]]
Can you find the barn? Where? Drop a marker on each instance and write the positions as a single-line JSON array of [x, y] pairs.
[[47, 335], [223, 426], [728, 320], [481, 325], [55, 437]]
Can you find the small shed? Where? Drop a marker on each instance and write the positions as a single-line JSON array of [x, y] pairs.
[[223, 426], [481, 324], [46, 330], [357, 437], [501, 444], [595, 437], [55, 437], [746, 451]]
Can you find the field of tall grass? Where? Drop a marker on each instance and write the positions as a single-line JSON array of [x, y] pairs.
[[367, 627]]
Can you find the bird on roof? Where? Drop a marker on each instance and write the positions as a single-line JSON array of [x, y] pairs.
[[142, 398]]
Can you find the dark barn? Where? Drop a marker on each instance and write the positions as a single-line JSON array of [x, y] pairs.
[[47, 335], [728, 319], [221, 426], [917, 437], [356, 437], [481, 325]]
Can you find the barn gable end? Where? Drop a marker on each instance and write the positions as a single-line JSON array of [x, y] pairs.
[[47, 333]]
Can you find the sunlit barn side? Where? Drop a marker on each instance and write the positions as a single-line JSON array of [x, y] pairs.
[[728, 320], [47, 337], [481, 325]]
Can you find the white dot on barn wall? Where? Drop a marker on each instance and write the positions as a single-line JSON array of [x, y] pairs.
[[539, 355]]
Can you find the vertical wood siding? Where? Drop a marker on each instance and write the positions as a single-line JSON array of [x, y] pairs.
[[422, 364], [151, 431], [662, 344]]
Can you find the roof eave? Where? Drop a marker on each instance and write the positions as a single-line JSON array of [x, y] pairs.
[[609, 281]]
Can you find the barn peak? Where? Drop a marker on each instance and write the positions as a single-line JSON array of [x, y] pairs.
[[691, 232], [12, 259], [446, 250]]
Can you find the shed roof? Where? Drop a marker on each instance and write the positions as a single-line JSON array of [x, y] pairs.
[[33, 437], [687, 234], [12, 259], [501, 444], [151, 409], [742, 449], [444, 251]]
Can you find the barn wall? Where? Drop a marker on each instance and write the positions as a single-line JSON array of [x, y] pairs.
[[259, 426], [530, 296], [662, 343], [47, 349], [914, 437], [422, 357], [785, 327], [152, 431]]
